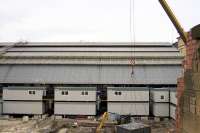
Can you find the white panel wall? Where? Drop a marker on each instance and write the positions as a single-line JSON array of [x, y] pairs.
[[128, 95], [89, 74], [160, 95], [128, 108], [75, 108], [22, 94], [173, 98], [1, 107], [20, 107], [161, 109], [75, 94], [173, 112]]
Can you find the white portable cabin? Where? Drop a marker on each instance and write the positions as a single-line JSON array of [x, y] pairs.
[[172, 111], [128, 100], [1, 106], [75, 101], [23, 100], [160, 98], [160, 95], [161, 109], [173, 98], [173, 103]]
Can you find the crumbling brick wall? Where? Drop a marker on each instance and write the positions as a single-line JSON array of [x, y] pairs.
[[188, 87]]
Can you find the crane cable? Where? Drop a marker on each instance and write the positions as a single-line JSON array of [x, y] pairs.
[[132, 58], [132, 35]]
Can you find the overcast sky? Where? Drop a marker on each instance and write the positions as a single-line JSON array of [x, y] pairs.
[[92, 20]]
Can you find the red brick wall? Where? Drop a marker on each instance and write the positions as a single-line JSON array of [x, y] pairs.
[[180, 89], [191, 48]]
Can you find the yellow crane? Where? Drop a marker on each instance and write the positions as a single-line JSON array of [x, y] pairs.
[[103, 120], [174, 20], [179, 29]]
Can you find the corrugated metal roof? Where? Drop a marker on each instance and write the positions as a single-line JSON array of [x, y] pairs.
[[74, 44], [87, 49], [47, 53], [25, 88], [94, 54], [88, 74], [90, 63], [102, 61]]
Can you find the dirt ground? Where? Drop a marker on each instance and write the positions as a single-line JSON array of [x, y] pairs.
[[50, 125]]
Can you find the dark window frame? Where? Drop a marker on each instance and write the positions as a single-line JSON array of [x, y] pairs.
[[82, 93], [31, 92], [118, 93]]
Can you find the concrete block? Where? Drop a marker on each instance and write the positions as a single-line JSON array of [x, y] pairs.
[[37, 117], [136, 118], [150, 118], [157, 119], [90, 117], [57, 117], [5, 116], [44, 116], [63, 130], [109, 130], [133, 128], [166, 119], [144, 118], [25, 118]]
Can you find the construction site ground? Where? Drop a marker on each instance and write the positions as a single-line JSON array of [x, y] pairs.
[[51, 125]]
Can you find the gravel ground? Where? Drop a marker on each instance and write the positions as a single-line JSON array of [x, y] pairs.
[[49, 125]]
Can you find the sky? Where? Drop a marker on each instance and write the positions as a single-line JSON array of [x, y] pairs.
[[93, 20]]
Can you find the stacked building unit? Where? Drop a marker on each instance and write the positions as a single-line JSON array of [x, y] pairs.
[[173, 103], [99, 64], [160, 98], [75, 101], [1, 106], [23, 100], [128, 100]]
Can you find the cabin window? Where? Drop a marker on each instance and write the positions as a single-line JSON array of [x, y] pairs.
[[64, 92], [118, 93], [162, 97], [31, 92], [84, 93]]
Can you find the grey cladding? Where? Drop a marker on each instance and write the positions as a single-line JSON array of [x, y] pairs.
[[90, 63]]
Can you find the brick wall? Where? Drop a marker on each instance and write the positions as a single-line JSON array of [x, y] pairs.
[[188, 84]]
